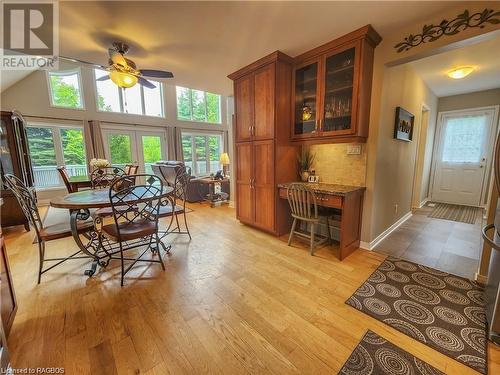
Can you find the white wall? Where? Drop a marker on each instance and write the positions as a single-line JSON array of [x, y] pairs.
[[30, 96]]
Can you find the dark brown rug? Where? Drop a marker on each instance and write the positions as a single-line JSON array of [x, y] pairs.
[[455, 212], [444, 311], [375, 355]]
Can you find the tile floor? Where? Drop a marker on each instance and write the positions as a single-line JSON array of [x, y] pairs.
[[446, 245]]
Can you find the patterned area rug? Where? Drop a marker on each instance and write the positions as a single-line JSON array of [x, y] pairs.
[[443, 311], [454, 212], [376, 355]]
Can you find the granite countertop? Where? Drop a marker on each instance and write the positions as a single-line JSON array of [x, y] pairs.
[[332, 189]]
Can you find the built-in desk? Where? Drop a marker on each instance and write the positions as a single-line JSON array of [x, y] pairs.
[[348, 199]]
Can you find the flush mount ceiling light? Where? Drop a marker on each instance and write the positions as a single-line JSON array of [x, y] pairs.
[[460, 72]]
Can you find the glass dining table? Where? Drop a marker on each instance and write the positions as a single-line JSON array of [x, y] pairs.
[[80, 205]]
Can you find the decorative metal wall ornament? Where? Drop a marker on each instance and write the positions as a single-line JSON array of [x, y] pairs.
[[463, 21]]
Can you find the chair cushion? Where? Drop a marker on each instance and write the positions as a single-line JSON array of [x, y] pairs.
[[56, 224], [166, 211], [129, 231]]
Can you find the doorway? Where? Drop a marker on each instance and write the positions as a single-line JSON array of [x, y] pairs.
[[139, 147], [462, 156]]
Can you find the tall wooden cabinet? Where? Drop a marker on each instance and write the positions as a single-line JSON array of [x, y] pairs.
[[264, 155], [332, 89]]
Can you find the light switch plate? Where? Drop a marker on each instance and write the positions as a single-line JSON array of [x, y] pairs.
[[354, 150]]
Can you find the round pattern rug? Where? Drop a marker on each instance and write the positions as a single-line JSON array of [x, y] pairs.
[[375, 355], [444, 311]]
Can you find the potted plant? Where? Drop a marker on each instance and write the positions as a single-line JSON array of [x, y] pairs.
[[305, 160]]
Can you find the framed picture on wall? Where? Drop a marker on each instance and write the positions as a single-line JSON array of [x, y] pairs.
[[403, 126]]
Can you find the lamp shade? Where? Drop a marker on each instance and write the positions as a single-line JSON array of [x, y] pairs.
[[123, 79], [224, 158]]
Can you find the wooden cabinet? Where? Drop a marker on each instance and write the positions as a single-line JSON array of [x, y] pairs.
[[264, 155], [8, 307], [14, 159], [332, 89], [254, 100]]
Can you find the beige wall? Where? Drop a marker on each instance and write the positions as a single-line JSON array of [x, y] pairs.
[[378, 214], [333, 164], [472, 100], [396, 160]]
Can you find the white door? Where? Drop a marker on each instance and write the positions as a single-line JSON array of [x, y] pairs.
[[463, 143], [135, 147], [151, 147]]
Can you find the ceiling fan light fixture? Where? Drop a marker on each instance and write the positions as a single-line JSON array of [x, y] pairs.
[[122, 79], [460, 72]]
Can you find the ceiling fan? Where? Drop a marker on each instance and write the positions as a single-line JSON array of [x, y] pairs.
[[122, 71]]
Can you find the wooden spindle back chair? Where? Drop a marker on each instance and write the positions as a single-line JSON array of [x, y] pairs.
[[304, 207]]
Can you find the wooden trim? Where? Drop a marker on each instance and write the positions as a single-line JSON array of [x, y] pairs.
[[272, 57], [367, 32], [328, 139]]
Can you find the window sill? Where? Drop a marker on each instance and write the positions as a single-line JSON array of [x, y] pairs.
[[200, 122]]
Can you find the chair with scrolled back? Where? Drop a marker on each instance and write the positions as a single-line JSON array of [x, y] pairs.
[[304, 207], [45, 232], [131, 169], [177, 176], [104, 177], [132, 221]]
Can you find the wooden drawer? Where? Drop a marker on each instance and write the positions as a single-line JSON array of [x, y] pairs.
[[325, 200], [328, 200]]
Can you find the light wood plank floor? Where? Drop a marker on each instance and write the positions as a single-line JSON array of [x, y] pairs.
[[233, 300]]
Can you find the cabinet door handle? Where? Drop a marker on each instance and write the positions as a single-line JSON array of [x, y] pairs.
[[250, 129]]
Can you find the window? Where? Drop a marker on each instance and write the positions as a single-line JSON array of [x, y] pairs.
[[464, 138], [137, 100], [202, 152], [65, 89], [52, 146], [196, 105]]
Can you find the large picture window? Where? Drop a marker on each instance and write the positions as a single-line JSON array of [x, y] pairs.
[[137, 100], [65, 89], [196, 105], [53, 146], [202, 152]]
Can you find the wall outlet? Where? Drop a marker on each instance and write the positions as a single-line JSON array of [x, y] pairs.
[[395, 208], [354, 150]]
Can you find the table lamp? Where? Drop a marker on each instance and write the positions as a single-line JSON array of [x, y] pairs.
[[224, 160]]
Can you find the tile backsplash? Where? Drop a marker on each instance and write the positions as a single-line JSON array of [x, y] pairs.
[[334, 165]]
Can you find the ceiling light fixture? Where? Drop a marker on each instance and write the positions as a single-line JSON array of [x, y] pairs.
[[460, 72], [123, 79]]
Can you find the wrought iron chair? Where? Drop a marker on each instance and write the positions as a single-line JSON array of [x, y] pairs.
[[136, 221], [304, 207], [105, 177], [176, 176], [65, 177], [44, 233]]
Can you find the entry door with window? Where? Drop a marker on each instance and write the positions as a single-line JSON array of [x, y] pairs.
[[461, 154], [143, 148]]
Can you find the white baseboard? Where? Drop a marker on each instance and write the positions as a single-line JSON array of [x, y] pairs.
[[422, 204], [385, 233]]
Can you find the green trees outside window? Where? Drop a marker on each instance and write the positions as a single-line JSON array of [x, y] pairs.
[[65, 89], [196, 105]]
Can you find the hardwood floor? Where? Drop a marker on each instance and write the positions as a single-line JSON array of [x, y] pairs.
[[443, 244], [233, 300]]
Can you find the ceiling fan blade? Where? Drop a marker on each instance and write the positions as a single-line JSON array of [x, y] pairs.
[[71, 59], [146, 83], [117, 57], [103, 78], [156, 73]]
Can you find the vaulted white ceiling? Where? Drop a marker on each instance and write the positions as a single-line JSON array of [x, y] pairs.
[[202, 42], [484, 56]]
